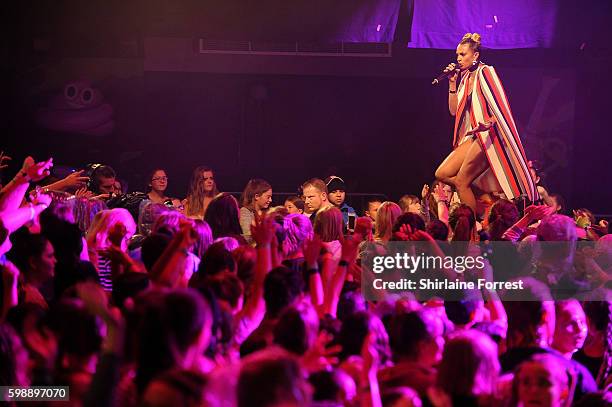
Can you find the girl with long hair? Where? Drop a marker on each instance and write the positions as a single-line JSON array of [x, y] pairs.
[[386, 215], [328, 227], [222, 216], [202, 190], [255, 201]]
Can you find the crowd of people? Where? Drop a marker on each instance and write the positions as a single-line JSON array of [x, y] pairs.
[[143, 299]]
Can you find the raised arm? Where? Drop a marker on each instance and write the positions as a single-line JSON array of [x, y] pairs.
[[312, 248], [333, 290], [12, 194], [532, 213], [73, 180], [168, 269], [452, 89], [10, 277], [263, 233]]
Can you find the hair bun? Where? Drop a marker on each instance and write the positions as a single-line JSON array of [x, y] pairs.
[[471, 37]]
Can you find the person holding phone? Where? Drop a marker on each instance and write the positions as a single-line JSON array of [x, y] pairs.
[[337, 194]]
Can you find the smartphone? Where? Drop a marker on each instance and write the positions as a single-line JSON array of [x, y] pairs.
[[351, 222]]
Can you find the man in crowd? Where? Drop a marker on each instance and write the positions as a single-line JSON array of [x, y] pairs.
[[315, 196]]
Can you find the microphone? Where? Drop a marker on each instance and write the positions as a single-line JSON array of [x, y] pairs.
[[444, 75]]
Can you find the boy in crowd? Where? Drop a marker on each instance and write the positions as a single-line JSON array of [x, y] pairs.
[[337, 196]]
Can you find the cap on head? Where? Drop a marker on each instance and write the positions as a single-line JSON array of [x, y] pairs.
[[335, 183]]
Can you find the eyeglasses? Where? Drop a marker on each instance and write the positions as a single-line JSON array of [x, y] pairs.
[[160, 179]]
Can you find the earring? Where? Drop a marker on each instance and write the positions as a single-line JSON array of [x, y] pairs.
[[474, 62]]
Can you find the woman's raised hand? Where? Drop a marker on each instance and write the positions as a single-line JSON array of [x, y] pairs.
[[37, 171], [452, 78]]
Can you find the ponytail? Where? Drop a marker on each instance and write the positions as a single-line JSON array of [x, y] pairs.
[[462, 221], [463, 230]]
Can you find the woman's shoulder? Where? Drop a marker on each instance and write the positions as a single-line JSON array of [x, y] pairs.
[[244, 211], [486, 68], [246, 217]]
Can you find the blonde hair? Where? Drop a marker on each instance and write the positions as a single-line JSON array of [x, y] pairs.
[[97, 235], [386, 215], [328, 224], [169, 220], [407, 200], [298, 229], [473, 40]]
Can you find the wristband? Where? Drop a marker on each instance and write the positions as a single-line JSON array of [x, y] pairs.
[[452, 91], [343, 263]]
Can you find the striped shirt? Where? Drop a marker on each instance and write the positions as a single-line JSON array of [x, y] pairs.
[[104, 272]]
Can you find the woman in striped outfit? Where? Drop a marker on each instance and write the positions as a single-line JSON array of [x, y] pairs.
[[487, 151]]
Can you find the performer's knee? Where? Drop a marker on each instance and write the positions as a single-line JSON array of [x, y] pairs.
[[441, 175]]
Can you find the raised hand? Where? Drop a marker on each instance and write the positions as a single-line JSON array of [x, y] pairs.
[[406, 233], [83, 193], [452, 78], [601, 227], [37, 171], [74, 180], [320, 356], [264, 230], [425, 191], [117, 233], [312, 249], [4, 158], [403, 233], [538, 212], [115, 254], [440, 194], [421, 235]]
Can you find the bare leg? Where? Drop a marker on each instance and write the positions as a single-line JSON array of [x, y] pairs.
[[474, 164], [449, 168]]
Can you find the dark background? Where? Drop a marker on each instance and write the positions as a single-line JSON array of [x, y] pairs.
[[376, 121]]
